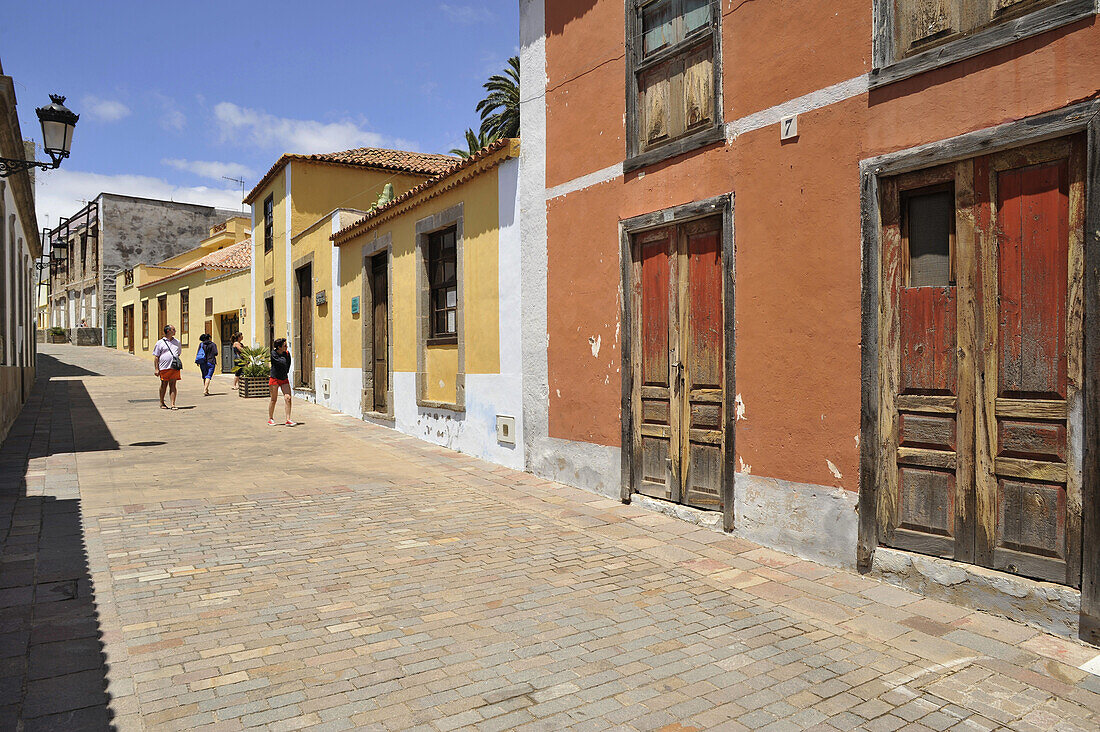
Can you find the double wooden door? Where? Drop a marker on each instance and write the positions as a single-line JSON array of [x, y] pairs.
[[304, 370], [678, 398], [228, 327], [128, 327], [380, 325], [982, 361]]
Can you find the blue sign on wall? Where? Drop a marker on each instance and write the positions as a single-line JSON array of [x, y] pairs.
[[355, 306]]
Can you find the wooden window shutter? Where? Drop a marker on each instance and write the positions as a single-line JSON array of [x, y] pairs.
[[209, 306], [698, 83]]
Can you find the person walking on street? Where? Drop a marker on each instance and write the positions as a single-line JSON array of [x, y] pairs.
[[207, 359], [167, 364], [238, 356], [280, 379]]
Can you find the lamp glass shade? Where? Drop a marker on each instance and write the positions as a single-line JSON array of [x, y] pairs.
[[57, 138], [58, 122]]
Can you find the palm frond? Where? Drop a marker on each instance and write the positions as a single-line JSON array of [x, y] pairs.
[[500, 108], [475, 143]]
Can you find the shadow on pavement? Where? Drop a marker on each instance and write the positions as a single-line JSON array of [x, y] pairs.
[[50, 367], [53, 673]]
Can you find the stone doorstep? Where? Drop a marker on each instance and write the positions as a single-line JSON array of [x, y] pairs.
[[1046, 606], [705, 519]]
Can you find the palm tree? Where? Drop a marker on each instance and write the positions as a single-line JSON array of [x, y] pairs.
[[500, 110], [476, 141]]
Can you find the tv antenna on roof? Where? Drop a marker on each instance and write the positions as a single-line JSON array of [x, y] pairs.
[[240, 182]]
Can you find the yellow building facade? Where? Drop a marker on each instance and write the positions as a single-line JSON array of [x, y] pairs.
[[203, 290], [426, 314], [297, 206]]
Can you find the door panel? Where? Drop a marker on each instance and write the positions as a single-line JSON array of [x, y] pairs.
[[921, 504], [1029, 364], [928, 338], [979, 376], [1032, 273], [657, 463], [678, 399], [703, 355]]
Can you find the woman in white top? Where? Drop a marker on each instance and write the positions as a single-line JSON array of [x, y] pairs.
[[166, 358]]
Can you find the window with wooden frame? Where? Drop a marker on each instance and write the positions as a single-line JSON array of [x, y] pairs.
[[928, 236], [673, 78], [442, 264], [913, 36], [145, 320], [269, 223], [185, 312], [209, 306]]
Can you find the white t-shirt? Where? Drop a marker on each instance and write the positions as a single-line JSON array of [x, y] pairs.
[[164, 354]]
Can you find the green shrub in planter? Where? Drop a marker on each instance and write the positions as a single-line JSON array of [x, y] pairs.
[[253, 367]]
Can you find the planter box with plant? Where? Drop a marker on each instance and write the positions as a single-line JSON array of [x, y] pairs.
[[253, 369], [58, 335]]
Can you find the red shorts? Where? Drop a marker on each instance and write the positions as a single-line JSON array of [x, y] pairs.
[[272, 381]]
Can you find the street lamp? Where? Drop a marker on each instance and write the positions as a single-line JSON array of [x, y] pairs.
[[58, 123]]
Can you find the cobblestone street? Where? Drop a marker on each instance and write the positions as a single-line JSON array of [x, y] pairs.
[[173, 570]]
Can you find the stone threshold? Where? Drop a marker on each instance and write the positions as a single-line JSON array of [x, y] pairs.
[[1044, 605]]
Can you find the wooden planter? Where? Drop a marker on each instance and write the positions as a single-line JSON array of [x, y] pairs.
[[252, 387], [54, 338]]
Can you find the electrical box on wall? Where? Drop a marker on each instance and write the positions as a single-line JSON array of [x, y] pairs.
[[506, 430]]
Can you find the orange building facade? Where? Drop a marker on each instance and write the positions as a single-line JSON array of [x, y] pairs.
[[826, 273]]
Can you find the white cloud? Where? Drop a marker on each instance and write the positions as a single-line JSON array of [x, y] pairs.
[[105, 110], [63, 192], [467, 14], [210, 169], [171, 118], [297, 135]]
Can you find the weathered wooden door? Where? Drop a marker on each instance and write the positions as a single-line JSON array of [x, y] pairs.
[[229, 325], [380, 330], [128, 326], [982, 361], [678, 387], [305, 325], [269, 321]]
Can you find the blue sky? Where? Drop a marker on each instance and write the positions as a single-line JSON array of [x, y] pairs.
[[172, 96]]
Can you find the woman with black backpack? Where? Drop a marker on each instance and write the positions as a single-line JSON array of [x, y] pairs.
[[207, 360]]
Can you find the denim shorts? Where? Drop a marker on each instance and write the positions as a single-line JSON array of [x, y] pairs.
[[208, 370]]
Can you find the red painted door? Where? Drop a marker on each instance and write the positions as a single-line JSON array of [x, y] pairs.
[[678, 396], [981, 360], [1030, 487]]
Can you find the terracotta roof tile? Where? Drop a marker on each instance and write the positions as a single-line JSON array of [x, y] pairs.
[[237, 256], [457, 166], [402, 161], [373, 157]]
